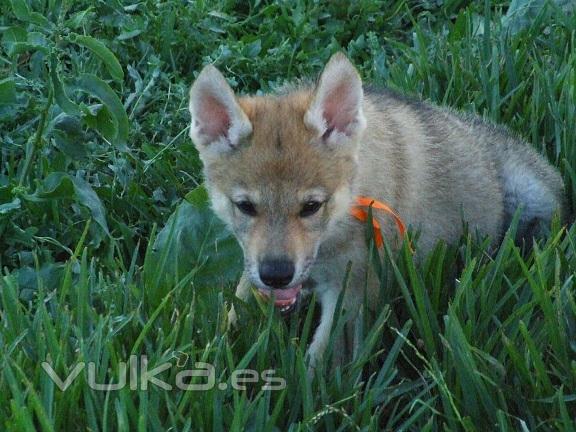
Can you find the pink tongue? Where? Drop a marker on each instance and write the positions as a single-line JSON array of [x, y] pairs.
[[282, 297]]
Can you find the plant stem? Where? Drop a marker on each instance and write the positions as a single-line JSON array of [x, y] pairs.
[[37, 140]]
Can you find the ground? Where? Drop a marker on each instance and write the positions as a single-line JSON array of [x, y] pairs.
[[95, 165]]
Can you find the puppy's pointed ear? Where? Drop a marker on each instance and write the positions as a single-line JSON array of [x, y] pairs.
[[218, 122], [335, 112]]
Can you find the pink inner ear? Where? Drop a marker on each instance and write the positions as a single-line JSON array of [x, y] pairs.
[[340, 108], [213, 118]]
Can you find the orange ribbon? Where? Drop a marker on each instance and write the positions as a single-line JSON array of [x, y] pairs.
[[360, 213]]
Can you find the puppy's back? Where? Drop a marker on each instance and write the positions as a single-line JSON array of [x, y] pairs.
[[440, 168]]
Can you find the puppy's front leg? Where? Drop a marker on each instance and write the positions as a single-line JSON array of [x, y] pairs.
[[243, 293], [328, 299]]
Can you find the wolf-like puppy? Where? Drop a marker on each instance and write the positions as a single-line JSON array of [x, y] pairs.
[[283, 172]]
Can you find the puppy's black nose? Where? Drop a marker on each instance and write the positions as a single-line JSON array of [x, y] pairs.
[[276, 273]]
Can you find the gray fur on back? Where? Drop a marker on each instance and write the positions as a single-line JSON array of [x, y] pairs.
[[469, 161]]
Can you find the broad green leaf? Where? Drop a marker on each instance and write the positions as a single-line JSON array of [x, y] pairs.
[[199, 241], [18, 40], [98, 117], [253, 49], [56, 186], [13, 35], [69, 136], [50, 275], [76, 20], [60, 95], [102, 52], [88, 197], [133, 26], [93, 85], [10, 207], [7, 91], [197, 197], [129, 34], [60, 185], [20, 47], [37, 39], [23, 13]]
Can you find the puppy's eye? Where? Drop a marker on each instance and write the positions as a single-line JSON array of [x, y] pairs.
[[310, 207], [246, 207]]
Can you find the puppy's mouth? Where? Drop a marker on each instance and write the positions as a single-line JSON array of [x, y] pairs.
[[284, 298]]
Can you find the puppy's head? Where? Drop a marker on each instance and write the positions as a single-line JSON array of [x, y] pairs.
[[280, 169]]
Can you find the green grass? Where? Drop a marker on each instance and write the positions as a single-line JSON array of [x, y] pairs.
[[95, 159]]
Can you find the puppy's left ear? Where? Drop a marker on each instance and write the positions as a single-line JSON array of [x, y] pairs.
[[335, 112]]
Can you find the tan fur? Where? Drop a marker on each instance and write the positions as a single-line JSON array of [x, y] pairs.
[[435, 167]]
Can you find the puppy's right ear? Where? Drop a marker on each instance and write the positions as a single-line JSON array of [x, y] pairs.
[[218, 122]]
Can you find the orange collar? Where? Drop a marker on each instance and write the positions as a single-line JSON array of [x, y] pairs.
[[360, 212]]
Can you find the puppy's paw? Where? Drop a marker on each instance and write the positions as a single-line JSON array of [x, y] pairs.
[[314, 357], [232, 318]]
